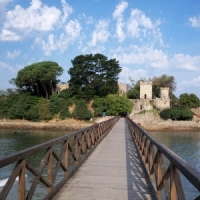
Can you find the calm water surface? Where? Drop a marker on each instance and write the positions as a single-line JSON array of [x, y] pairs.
[[11, 143], [187, 146]]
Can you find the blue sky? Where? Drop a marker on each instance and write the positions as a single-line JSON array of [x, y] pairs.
[[148, 38]]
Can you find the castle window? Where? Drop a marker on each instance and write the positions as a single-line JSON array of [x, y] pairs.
[[145, 96], [140, 107]]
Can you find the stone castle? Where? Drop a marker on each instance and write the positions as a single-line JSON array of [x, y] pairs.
[[145, 102], [123, 88]]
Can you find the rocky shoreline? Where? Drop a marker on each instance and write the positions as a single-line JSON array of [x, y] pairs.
[[172, 126], [152, 122], [25, 125], [148, 121]]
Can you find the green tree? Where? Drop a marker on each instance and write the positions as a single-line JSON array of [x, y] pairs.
[[44, 110], [98, 105], [58, 104], [134, 91], [32, 114], [20, 107], [81, 112], [189, 101], [64, 113], [176, 114], [117, 105], [93, 75], [163, 81], [40, 77], [194, 101]]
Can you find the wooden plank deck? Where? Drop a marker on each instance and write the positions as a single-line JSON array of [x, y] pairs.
[[113, 171]]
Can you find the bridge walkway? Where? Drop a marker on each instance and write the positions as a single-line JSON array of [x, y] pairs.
[[113, 171]]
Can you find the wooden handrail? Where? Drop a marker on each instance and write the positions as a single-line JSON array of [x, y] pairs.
[[74, 149], [153, 154]]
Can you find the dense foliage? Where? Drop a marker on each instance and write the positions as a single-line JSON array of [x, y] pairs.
[[90, 75], [162, 81], [15, 104], [112, 104], [176, 114], [81, 112], [39, 78], [93, 75], [189, 101]]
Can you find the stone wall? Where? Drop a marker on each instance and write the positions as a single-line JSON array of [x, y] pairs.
[[60, 87], [123, 88], [162, 103], [139, 105], [146, 90], [164, 93]]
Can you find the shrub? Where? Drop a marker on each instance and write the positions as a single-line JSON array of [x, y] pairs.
[[176, 114], [99, 106], [81, 112], [44, 110], [117, 105], [64, 113]]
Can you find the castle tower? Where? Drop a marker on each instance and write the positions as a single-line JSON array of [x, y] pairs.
[[146, 90], [164, 93], [123, 88]]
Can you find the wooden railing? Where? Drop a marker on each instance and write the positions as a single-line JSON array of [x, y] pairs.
[[64, 154], [163, 166]]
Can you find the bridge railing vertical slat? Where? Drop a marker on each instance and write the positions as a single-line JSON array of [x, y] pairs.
[[153, 154], [75, 148]]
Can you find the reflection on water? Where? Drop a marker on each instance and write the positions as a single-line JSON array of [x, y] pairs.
[[187, 146], [11, 143]]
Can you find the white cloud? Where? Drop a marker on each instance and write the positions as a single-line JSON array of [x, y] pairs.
[[118, 16], [143, 56], [67, 10], [120, 8], [3, 4], [100, 34], [141, 26], [194, 82], [186, 62], [22, 22], [134, 74], [88, 20], [6, 66], [72, 32], [194, 22], [7, 35], [13, 54], [137, 26], [73, 29]]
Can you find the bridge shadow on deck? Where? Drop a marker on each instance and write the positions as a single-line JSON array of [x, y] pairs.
[[137, 182]]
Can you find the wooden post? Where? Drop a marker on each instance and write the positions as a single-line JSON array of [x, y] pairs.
[[172, 184], [49, 171], [159, 175], [66, 158], [22, 181], [76, 152], [83, 145]]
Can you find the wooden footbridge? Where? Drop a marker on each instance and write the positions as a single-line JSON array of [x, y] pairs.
[[115, 159]]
